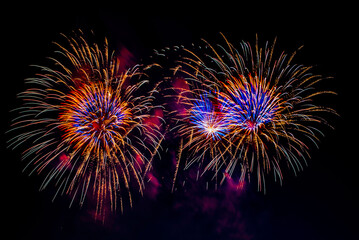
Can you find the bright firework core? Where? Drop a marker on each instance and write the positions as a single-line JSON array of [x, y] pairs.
[[206, 120], [249, 104], [94, 114]]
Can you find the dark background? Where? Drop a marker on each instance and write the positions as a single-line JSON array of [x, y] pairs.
[[320, 203]]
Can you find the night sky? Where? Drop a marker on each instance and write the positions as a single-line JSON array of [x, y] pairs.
[[319, 203]]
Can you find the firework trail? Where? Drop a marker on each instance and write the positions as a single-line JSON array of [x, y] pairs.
[[247, 109], [87, 124]]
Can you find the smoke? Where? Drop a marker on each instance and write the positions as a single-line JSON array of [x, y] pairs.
[[217, 210]]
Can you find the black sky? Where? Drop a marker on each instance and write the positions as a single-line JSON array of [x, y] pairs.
[[320, 203]]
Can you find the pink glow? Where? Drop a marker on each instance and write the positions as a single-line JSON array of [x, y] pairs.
[[152, 188], [65, 161], [237, 186]]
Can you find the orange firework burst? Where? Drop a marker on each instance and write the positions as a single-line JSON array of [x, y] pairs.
[[261, 109], [87, 124]]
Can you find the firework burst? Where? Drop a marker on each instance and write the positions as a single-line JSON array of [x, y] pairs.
[[86, 122], [203, 128], [199, 126], [206, 120], [250, 110]]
